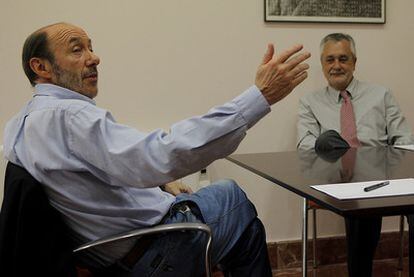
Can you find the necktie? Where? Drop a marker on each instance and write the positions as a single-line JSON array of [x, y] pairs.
[[348, 164], [348, 126]]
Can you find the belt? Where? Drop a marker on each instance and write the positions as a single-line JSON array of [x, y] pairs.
[[143, 243]]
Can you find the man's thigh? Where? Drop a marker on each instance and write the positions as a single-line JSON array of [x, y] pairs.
[[224, 207], [228, 212]]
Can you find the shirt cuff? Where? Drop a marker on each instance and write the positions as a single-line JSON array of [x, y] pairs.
[[253, 106]]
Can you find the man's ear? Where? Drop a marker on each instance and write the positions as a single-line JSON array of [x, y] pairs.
[[41, 67]]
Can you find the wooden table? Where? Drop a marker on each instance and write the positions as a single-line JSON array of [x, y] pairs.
[[297, 171]]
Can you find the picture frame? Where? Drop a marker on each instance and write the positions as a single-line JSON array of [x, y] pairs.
[[334, 11]]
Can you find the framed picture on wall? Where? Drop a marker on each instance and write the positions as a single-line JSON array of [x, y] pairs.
[[350, 11]]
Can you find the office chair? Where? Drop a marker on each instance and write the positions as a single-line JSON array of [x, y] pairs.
[[313, 206], [34, 240], [159, 229]]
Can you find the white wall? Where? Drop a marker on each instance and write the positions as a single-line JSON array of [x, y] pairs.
[[162, 61]]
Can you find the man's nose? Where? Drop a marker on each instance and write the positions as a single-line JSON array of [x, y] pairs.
[[336, 63], [93, 59]]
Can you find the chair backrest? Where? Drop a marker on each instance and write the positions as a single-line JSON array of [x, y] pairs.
[[34, 240], [3, 163]]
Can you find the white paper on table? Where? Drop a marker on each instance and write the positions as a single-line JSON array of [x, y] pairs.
[[347, 191], [405, 147]]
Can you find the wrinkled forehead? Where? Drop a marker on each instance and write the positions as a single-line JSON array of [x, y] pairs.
[[335, 48], [343, 45], [64, 34]]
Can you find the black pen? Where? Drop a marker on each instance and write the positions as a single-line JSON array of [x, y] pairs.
[[376, 186]]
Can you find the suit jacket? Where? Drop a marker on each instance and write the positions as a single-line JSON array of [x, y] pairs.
[[34, 240]]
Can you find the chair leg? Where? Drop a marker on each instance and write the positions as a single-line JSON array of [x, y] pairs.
[[315, 261], [400, 260]]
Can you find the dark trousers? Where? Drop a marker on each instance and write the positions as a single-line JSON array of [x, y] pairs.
[[410, 219], [249, 256], [362, 236]]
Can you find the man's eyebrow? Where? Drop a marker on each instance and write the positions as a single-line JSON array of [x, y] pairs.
[[74, 40], [78, 40], [337, 56]]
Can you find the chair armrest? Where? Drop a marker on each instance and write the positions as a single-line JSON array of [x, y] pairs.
[[158, 229]]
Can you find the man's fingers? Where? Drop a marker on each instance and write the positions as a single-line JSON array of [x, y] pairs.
[[296, 60], [183, 188], [298, 69], [299, 78], [279, 75], [288, 53], [269, 54], [187, 189]]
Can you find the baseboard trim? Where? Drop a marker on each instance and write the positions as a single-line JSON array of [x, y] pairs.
[[332, 250]]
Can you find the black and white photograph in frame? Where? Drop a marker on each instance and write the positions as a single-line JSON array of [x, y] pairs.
[[351, 11]]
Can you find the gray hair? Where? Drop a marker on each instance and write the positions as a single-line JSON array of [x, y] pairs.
[[338, 37]]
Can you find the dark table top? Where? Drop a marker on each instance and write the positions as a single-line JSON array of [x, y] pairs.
[[298, 170]]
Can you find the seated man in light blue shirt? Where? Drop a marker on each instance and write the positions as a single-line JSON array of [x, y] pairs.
[[377, 119], [105, 177]]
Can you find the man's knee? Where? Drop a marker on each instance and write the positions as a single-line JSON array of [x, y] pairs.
[[226, 182], [229, 186]]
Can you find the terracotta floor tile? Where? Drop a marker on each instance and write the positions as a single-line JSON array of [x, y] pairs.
[[384, 268]]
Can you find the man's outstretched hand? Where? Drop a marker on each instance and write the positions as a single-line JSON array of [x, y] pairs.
[[278, 75]]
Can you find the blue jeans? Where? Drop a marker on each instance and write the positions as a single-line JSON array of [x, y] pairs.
[[239, 242]]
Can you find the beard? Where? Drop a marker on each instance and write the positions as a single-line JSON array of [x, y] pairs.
[[67, 79], [73, 81]]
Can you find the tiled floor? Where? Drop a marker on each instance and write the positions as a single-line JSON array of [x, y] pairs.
[[384, 268]]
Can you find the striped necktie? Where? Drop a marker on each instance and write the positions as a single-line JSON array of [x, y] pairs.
[[348, 125]]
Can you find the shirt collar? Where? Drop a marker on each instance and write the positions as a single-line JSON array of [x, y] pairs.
[[352, 90], [60, 93]]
